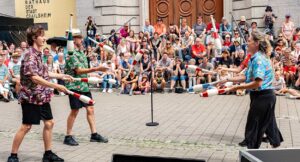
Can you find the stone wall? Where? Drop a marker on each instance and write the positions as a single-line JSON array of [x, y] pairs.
[[108, 14], [255, 9], [7, 7]]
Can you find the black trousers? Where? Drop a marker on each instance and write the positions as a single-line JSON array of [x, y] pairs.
[[261, 119]]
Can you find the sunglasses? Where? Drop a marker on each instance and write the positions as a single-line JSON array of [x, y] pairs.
[[236, 33], [280, 36]]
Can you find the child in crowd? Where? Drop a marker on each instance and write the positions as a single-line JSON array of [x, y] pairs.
[[144, 84], [191, 75], [278, 82], [4, 87]]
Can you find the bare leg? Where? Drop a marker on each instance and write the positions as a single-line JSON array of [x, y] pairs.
[[90, 116], [183, 84], [71, 120], [23, 130], [47, 134]]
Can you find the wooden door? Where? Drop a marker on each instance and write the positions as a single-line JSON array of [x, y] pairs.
[[210, 7], [163, 9], [172, 10]]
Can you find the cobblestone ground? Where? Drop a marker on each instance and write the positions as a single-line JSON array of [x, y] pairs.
[[190, 127]]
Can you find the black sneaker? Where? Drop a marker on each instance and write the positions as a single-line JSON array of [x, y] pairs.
[[13, 159], [98, 138], [243, 143], [52, 157], [69, 140], [265, 139]]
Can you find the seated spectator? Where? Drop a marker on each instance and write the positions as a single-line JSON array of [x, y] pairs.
[[122, 47], [278, 82], [131, 42], [225, 59], [145, 66], [210, 26], [160, 27], [14, 68], [237, 46], [227, 42], [253, 27], [208, 66], [244, 27], [289, 68], [109, 74], [178, 74], [225, 28], [148, 28], [125, 64], [159, 82], [94, 62], [173, 30], [199, 28], [238, 60], [169, 50], [184, 28], [124, 31], [165, 65], [186, 43], [4, 86], [155, 43], [144, 85], [129, 83], [198, 50], [191, 75]]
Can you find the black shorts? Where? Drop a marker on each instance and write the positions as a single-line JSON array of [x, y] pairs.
[[76, 103], [33, 114]]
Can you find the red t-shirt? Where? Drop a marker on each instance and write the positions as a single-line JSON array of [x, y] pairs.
[[244, 64], [209, 26], [6, 62], [197, 49]]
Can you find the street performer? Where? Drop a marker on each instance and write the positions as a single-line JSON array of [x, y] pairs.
[[35, 95], [77, 67], [259, 76]]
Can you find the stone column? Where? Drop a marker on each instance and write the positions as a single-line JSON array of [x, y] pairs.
[[143, 12]]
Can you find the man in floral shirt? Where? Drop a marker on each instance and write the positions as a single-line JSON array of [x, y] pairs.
[[35, 95], [77, 66]]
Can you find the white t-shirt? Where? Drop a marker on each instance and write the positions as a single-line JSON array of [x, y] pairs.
[[15, 67], [278, 84]]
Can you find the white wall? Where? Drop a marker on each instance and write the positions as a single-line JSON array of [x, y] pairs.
[[7, 7]]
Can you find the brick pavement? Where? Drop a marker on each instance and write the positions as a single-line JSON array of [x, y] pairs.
[[190, 127]]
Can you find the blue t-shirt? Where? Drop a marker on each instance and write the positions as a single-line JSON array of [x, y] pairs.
[[3, 71], [124, 64], [260, 66]]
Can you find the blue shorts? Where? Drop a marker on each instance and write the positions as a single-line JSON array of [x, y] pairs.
[[175, 78]]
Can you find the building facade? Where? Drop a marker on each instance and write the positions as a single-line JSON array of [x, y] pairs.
[[112, 14]]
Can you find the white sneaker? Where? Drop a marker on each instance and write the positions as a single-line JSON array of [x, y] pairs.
[[104, 90], [110, 90]]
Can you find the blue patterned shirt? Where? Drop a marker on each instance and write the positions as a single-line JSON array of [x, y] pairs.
[[260, 67]]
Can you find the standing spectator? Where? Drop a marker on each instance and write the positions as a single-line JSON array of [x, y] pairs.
[[45, 53], [4, 87], [160, 27], [148, 28], [24, 47], [269, 19], [199, 28], [288, 28], [178, 74], [53, 51], [124, 31], [60, 63], [225, 28], [91, 29], [198, 50]]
